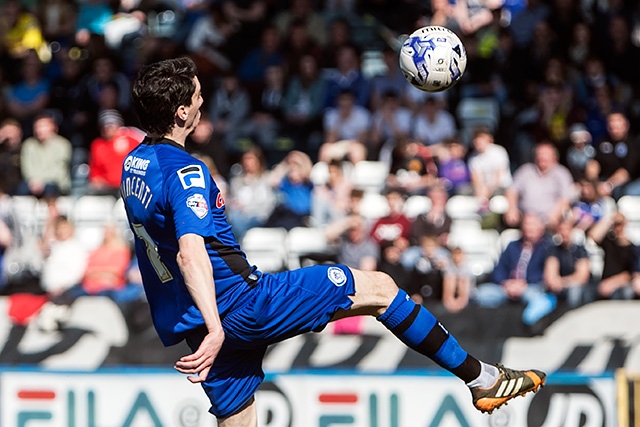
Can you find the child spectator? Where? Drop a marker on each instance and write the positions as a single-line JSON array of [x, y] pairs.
[[458, 283], [452, 168]]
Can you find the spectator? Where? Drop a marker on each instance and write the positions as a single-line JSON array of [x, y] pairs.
[[302, 11], [291, 179], [331, 200], [489, 166], [339, 36], [590, 207], [254, 65], [355, 247], [303, 104], [394, 227], [620, 277], [617, 161], [567, 269], [413, 168], [518, 276], [109, 151], [203, 142], [433, 124], [10, 145], [580, 152], [44, 160], [436, 221], [6, 239], [452, 168], [427, 261], [58, 18], [251, 198], [65, 258], [346, 77], [30, 95], [392, 81], [390, 123], [206, 41], [346, 129], [299, 43], [21, 32], [249, 17], [458, 283], [544, 188], [105, 272], [230, 107], [391, 263]]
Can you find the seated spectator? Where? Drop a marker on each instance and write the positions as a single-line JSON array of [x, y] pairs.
[[391, 263], [436, 221], [6, 238], [303, 103], [254, 65], [617, 160], [302, 11], [413, 168], [390, 123], [105, 272], [392, 81], [489, 166], [433, 124], [291, 178], [346, 77], [518, 275], [580, 152], [21, 31], [331, 200], [109, 151], [567, 269], [452, 168], [65, 257], [204, 142], [620, 277], [10, 145], [394, 227], [230, 107], [458, 283], [354, 246], [427, 262], [251, 197], [544, 188], [45, 160], [299, 43], [590, 206], [346, 129], [26, 98]]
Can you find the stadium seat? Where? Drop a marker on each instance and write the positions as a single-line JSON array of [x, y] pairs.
[[498, 204], [370, 176], [481, 248], [266, 248], [472, 112], [507, 236], [303, 241], [374, 206], [629, 206], [416, 205], [463, 207], [93, 210]]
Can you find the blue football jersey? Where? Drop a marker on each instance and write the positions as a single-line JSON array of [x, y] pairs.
[[168, 193]]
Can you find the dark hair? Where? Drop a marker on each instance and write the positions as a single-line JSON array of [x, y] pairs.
[[159, 90]]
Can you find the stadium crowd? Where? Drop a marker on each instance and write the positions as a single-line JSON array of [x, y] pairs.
[[304, 106]]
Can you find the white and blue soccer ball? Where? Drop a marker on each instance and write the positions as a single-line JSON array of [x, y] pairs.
[[433, 58]]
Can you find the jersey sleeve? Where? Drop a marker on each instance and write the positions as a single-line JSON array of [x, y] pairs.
[[189, 197]]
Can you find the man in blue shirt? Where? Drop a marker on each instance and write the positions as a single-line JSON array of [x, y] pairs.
[[201, 288]]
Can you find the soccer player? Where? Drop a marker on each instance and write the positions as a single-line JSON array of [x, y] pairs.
[[201, 288]]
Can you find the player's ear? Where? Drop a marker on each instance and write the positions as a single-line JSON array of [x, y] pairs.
[[182, 113]]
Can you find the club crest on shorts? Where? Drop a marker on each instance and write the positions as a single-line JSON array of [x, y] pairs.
[[337, 276], [198, 204]]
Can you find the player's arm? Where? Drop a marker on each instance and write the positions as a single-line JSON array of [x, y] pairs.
[[196, 269]]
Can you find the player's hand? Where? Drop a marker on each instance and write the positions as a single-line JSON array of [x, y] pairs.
[[198, 364]]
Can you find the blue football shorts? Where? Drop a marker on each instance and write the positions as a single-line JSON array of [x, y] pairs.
[[280, 306]]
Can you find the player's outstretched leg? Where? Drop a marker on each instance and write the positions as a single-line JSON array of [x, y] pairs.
[[491, 385]]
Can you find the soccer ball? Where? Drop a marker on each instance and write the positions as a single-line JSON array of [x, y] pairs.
[[433, 58]]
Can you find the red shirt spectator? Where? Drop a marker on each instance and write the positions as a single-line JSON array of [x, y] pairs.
[[109, 150]]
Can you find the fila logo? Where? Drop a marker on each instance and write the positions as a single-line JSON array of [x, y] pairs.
[[191, 176], [510, 387]]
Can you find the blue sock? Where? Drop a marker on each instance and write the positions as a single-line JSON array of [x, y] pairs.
[[415, 326]]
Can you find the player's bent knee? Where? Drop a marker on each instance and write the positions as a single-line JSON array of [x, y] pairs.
[[374, 289]]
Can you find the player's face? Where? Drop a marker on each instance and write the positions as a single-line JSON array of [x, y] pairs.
[[193, 116]]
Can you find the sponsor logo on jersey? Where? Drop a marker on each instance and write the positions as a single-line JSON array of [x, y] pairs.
[[191, 176], [337, 276], [136, 165], [219, 201], [198, 204]]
